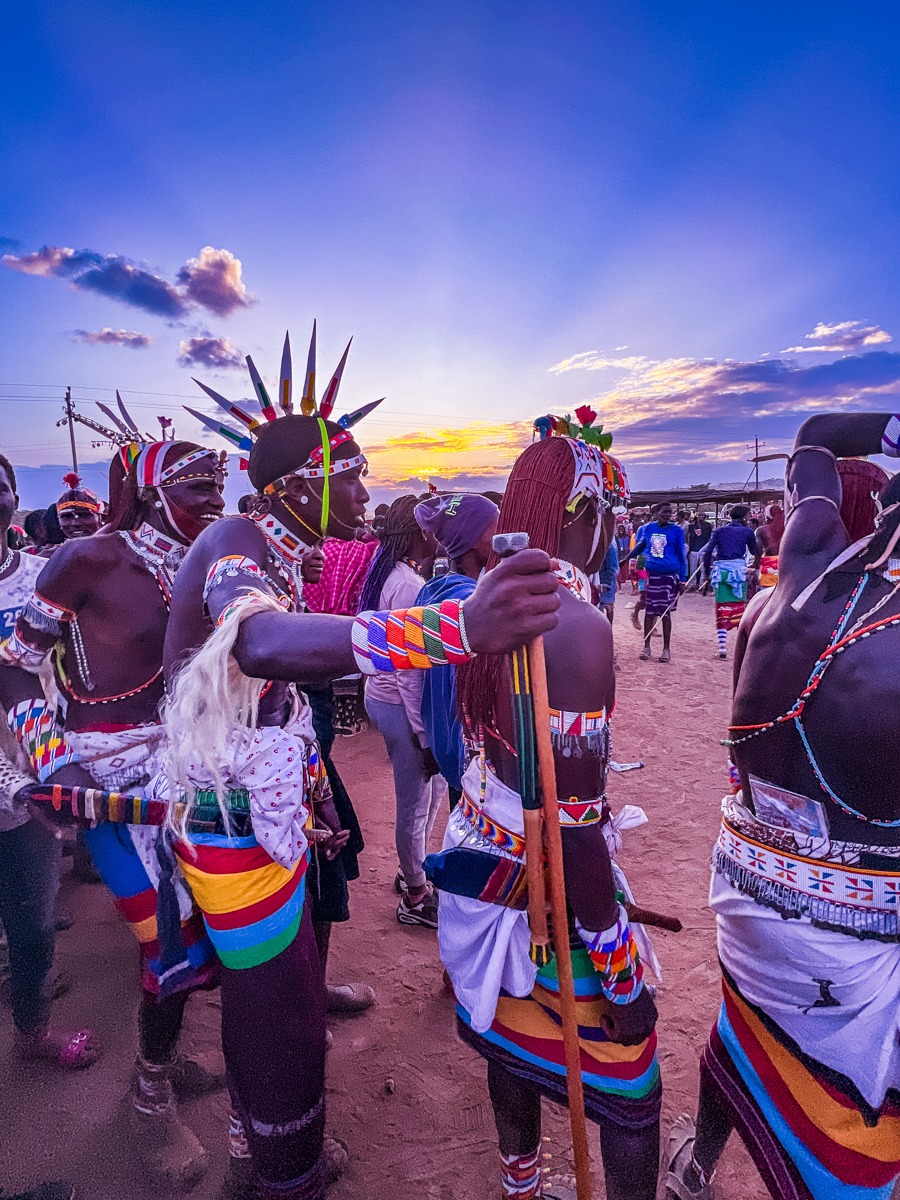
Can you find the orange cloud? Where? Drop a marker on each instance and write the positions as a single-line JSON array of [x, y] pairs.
[[479, 449]]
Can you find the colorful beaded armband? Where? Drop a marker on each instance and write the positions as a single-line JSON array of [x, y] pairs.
[[405, 638], [39, 734], [615, 957], [234, 565]]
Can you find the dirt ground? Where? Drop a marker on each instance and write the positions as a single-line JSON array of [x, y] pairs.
[[409, 1100]]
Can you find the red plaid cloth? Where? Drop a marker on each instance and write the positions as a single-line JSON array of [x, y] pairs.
[[339, 589]]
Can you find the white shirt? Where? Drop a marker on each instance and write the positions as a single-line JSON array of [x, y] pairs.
[[401, 589], [15, 592]]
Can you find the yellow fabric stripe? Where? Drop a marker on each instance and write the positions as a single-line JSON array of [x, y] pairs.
[[218, 893], [844, 1126], [524, 1016], [145, 931]]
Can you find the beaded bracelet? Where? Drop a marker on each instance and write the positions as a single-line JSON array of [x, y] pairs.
[[616, 960], [890, 439], [17, 652], [37, 730], [406, 638]]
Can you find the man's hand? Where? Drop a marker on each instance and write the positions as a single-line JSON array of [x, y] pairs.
[[630, 1024], [325, 817], [312, 565], [512, 604]]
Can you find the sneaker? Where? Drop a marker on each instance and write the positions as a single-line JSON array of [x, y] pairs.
[[424, 913], [399, 882]]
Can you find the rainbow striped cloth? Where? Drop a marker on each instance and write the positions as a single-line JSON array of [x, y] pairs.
[[622, 1083], [807, 1132], [251, 904]]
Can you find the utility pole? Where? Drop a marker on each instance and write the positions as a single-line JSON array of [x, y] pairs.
[[71, 423], [755, 460]]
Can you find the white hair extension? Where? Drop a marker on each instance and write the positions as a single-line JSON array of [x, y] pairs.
[[210, 713]]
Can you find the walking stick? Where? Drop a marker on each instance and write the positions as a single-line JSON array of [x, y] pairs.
[[531, 722]]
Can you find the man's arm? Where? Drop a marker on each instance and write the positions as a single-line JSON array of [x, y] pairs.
[[511, 605], [682, 556], [814, 532], [640, 545], [708, 552]]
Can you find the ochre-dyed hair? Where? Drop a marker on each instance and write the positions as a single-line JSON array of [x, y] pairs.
[[860, 480], [534, 503]]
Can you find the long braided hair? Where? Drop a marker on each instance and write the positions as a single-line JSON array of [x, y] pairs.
[[534, 503], [396, 537]]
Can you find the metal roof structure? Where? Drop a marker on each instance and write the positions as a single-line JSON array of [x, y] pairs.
[[690, 497]]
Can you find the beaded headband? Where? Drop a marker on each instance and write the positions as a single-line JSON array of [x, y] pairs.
[[597, 473], [150, 472]]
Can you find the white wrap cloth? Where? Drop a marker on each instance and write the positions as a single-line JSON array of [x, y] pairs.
[[276, 767], [836, 996], [486, 947]]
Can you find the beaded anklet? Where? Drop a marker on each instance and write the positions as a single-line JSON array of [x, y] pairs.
[[407, 638], [520, 1174], [616, 960]]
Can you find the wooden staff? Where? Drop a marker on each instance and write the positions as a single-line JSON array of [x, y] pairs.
[[530, 675]]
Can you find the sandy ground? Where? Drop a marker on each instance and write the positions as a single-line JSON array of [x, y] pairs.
[[410, 1101]]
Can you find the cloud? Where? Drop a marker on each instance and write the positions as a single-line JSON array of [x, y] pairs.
[[654, 393], [115, 337], [590, 360], [841, 338], [216, 353], [52, 260], [214, 281]]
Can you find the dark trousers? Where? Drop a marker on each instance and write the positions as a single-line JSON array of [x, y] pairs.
[[273, 1037], [29, 878]]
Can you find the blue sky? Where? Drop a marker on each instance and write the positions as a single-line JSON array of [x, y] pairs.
[[512, 207]]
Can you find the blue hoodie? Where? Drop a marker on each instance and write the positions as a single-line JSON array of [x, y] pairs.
[[439, 715], [663, 546]]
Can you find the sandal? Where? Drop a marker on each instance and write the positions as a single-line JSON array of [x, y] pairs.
[[348, 998], [645, 653], [666, 656], [73, 1051], [681, 1138]]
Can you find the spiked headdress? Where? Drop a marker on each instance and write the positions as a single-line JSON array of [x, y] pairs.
[[320, 464], [597, 473]]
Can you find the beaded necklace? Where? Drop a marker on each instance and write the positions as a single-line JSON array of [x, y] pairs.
[[838, 643], [285, 554], [161, 555]]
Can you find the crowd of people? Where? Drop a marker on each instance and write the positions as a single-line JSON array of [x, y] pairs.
[[175, 679]]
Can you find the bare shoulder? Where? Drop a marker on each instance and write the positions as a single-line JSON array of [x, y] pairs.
[[579, 653], [230, 535], [102, 552]]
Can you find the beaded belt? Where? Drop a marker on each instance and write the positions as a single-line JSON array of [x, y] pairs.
[[488, 830], [861, 902]]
